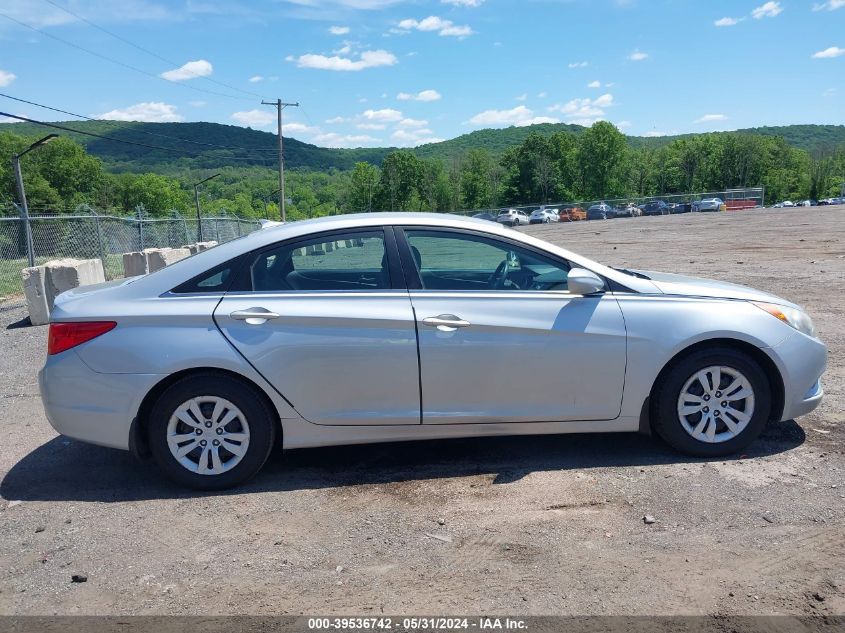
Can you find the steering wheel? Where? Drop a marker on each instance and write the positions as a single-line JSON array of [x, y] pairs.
[[499, 279]]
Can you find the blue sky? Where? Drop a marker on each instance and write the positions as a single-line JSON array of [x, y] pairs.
[[392, 72]]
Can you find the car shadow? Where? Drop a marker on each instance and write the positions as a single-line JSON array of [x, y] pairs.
[[66, 470]]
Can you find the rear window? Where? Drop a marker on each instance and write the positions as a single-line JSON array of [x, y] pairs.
[[217, 279]]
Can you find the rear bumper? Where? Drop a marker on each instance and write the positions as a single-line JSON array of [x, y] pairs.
[[88, 406]]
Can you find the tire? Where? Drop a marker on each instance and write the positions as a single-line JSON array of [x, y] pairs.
[[516, 223], [666, 408], [253, 426]]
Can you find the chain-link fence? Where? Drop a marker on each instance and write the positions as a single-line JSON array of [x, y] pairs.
[[87, 234]]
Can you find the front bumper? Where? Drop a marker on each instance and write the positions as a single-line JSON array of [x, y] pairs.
[[801, 361], [89, 406]]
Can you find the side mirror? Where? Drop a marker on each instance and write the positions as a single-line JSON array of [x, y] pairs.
[[583, 282]]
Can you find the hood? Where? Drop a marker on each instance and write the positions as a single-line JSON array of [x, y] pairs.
[[672, 284]]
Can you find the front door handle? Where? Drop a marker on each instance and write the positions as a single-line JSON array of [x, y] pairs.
[[254, 316], [446, 322]]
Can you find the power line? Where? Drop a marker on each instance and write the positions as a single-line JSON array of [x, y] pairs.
[[173, 138], [146, 50], [56, 126], [119, 63]]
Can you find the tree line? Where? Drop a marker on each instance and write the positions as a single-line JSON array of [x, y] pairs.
[[596, 164]]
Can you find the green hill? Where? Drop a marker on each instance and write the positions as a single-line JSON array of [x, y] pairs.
[[211, 145]]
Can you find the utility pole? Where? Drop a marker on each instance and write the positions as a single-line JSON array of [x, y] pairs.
[[24, 208], [197, 200], [281, 105]]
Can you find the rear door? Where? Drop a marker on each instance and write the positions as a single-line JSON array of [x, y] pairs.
[[500, 337], [327, 320]]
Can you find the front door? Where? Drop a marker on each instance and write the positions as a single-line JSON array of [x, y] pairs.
[[326, 325], [502, 340]]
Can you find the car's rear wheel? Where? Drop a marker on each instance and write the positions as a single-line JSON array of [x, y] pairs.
[[713, 402], [210, 431]]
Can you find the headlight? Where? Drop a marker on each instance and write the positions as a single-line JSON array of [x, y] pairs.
[[791, 316]]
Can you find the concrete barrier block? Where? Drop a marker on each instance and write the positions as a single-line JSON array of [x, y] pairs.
[[134, 264], [65, 274], [42, 284], [35, 291], [199, 247], [158, 258]]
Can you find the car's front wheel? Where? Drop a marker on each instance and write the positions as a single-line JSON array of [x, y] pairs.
[[712, 403], [210, 431]]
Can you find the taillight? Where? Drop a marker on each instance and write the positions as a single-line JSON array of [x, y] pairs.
[[63, 336]]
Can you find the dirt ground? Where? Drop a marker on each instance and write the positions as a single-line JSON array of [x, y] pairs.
[[544, 525]]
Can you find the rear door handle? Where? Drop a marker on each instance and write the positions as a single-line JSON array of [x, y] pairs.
[[446, 322], [254, 316]]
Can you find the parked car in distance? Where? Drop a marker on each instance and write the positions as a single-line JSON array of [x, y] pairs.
[[512, 217], [709, 204], [807, 203], [655, 207], [484, 215], [601, 211], [209, 364], [572, 214], [544, 215], [629, 210], [680, 207]]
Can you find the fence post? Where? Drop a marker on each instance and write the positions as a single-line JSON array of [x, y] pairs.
[[27, 229], [100, 240], [140, 213], [217, 229]]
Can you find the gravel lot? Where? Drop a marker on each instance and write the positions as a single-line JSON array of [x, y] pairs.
[[550, 525]]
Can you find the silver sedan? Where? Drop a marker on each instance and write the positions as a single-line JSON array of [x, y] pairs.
[[386, 327]]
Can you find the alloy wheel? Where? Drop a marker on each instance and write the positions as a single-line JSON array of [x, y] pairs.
[[716, 404], [208, 435]]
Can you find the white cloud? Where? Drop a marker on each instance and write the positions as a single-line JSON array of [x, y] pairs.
[[656, 133], [767, 10], [464, 3], [711, 118], [638, 56], [829, 53], [190, 70], [624, 125], [6, 78], [435, 23], [829, 92], [367, 59], [148, 112], [255, 118], [386, 114], [594, 84], [412, 123], [518, 116], [412, 138], [830, 5], [584, 111], [256, 79], [338, 30], [336, 120], [541, 95], [333, 139], [197, 104], [371, 126], [728, 21], [298, 128], [422, 95], [522, 97], [579, 64]]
